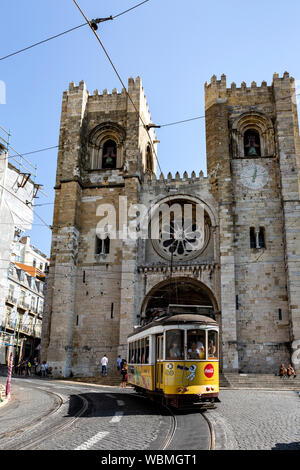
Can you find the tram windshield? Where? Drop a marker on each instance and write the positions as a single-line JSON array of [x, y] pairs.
[[175, 344], [212, 344], [196, 344]]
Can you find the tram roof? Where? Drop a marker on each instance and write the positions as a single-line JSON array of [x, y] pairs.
[[176, 319]]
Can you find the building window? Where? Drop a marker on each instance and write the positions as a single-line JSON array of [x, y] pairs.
[[252, 143], [149, 160], [109, 156], [279, 314], [22, 298], [252, 237], [261, 238], [34, 263], [102, 246]]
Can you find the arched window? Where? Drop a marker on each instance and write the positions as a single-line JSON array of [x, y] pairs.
[[252, 143], [252, 237], [102, 246], [261, 238], [149, 160], [109, 155]]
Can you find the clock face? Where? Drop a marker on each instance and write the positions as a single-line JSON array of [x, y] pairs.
[[254, 176]]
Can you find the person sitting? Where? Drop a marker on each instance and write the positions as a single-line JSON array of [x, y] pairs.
[[282, 371], [174, 351], [290, 371], [194, 352], [211, 349]]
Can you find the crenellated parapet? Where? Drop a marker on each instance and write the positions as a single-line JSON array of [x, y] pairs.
[[177, 179], [216, 91]]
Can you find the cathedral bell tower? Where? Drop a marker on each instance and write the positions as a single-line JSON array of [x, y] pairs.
[[104, 151], [254, 164]]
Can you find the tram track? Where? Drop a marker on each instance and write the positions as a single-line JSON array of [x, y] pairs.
[[37, 421], [172, 430], [30, 443]]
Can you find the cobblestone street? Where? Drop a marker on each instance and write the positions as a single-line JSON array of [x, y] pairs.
[[251, 419]]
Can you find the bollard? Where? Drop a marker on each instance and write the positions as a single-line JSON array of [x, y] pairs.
[[8, 382]]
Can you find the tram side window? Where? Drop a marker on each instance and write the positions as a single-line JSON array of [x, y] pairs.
[[212, 344], [138, 359], [129, 353], [143, 351], [175, 345], [135, 352], [147, 350], [196, 344]]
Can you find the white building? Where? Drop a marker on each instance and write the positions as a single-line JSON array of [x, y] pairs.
[[27, 254], [17, 193]]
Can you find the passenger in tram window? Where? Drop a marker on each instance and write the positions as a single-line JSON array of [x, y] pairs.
[[211, 349], [174, 351], [194, 352]]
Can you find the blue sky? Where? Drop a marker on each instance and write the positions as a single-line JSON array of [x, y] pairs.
[[174, 46]]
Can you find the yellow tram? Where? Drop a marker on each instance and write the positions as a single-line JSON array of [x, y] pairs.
[[175, 358]]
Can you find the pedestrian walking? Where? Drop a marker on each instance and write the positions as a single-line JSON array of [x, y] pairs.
[[24, 366], [29, 367], [44, 369], [35, 365], [124, 373], [119, 363], [104, 362]]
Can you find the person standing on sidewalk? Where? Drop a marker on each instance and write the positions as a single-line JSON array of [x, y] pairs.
[[104, 362], [44, 369], [124, 373], [119, 363]]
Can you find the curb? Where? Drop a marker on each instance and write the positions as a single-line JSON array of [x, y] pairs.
[[266, 389], [92, 385], [4, 402]]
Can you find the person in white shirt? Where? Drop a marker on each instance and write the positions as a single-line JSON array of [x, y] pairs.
[[194, 352], [104, 362]]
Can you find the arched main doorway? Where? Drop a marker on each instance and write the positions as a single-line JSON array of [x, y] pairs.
[[179, 291]]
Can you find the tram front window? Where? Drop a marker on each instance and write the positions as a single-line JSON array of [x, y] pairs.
[[212, 344], [196, 344], [175, 342]]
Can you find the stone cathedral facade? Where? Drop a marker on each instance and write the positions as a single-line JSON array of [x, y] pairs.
[[246, 273]]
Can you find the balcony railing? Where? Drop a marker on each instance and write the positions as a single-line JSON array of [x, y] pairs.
[[11, 299], [23, 304]]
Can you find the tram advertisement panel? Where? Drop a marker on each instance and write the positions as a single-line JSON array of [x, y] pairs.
[[142, 376], [194, 375]]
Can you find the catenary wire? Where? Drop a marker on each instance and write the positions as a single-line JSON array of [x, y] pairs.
[[65, 32], [124, 87], [159, 126]]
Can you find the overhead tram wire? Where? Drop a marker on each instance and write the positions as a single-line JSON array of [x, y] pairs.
[[124, 87], [159, 126], [99, 20], [27, 205]]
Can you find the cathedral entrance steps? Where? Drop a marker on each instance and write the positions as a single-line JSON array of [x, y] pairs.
[[114, 380], [263, 381]]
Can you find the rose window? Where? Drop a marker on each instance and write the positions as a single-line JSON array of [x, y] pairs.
[[181, 239]]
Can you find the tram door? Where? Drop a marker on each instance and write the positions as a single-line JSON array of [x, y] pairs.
[[159, 365]]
